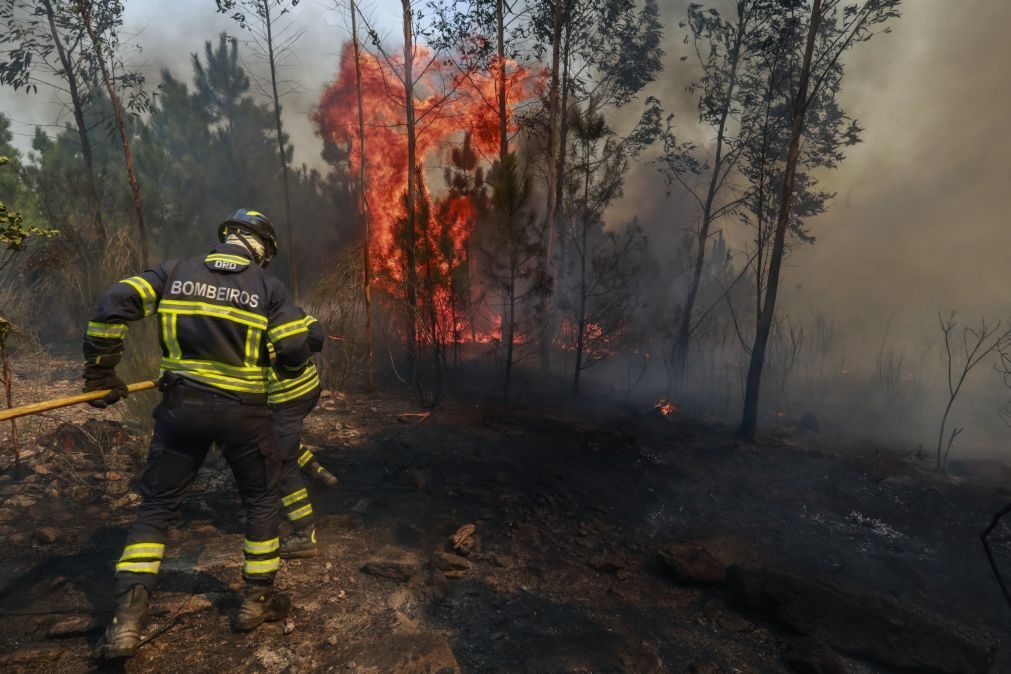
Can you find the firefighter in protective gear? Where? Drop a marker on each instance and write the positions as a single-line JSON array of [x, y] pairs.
[[217, 314], [291, 400]]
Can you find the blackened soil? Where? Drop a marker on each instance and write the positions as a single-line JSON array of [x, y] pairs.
[[571, 508]]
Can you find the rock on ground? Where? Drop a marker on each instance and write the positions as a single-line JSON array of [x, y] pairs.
[[707, 560], [862, 622], [421, 653], [393, 563]]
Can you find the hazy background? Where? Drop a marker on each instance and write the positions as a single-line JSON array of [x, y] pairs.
[[920, 220]]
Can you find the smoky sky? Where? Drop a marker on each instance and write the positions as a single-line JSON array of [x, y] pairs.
[[920, 219]]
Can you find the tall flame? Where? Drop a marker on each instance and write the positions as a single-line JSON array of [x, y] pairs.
[[448, 105]]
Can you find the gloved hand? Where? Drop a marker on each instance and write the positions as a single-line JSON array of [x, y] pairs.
[[102, 375]]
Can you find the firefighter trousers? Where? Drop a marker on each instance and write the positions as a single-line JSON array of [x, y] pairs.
[[187, 421], [288, 424]]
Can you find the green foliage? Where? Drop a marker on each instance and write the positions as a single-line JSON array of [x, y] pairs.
[[13, 232]]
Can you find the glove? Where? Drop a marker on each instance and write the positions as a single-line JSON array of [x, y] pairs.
[[99, 376], [317, 335]]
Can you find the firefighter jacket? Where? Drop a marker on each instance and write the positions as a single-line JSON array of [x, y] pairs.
[[216, 314], [280, 390]]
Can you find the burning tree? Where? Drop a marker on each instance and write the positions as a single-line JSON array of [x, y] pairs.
[[420, 262]]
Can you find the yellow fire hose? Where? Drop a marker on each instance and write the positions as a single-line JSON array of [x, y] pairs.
[[56, 403]]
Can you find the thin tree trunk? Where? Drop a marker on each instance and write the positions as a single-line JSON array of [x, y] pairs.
[[563, 132], [684, 331], [363, 205], [549, 222], [503, 131], [8, 382], [82, 128], [117, 109], [412, 271], [749, 419], [510, 337], [583, 253], [292, 257]]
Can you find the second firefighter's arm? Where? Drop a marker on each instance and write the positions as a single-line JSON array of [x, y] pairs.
[[286, 333], [316, 335]]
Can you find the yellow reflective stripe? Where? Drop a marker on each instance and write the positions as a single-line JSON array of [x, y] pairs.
[[260, 547], [252, 355], [295, 497], [106, 330], [305, 458], [169, 335], [253, 373], [278, 385], [278, 333], [281, 385], [146, 292], [138, 567], [141, 550], [304, 511], [254, 567], [224, 257], [188, 308], [219, 381], [285, 396]]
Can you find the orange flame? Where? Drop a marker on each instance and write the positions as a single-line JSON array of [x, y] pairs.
[[448, 104], [667, 408]]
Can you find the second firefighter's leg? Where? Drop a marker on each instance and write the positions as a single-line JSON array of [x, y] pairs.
[[171, 467], [312, 468], [295, 503], [255, 462]]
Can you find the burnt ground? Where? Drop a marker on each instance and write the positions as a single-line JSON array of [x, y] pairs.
[[571, 507]]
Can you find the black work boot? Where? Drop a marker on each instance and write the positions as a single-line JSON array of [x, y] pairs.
[[122, 638], [261, 605], [299, 544], [320, 474]]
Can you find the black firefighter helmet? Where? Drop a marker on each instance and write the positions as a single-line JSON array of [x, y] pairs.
[[253, 222]]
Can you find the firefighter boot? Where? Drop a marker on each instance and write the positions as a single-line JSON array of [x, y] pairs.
[[122, 638], [321, 474], [261, 605], [299, 544]]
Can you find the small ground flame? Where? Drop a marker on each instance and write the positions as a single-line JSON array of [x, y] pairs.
[[666, 407]]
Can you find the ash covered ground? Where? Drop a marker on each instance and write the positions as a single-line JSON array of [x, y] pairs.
[[604, 538]]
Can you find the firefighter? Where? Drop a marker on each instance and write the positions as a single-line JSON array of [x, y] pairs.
[[217, 314], [291, 400]]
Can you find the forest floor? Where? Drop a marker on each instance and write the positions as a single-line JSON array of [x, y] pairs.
[[572, 506]]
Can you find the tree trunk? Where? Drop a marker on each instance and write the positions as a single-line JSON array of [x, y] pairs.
[[363, 205], [503, 131], [412, 269], [510, 332], [563, 132], [680, 358], [117, 109], [8, 383], [583, 254], [549, 221], [82, 127], [749, 419], [292, 257]]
